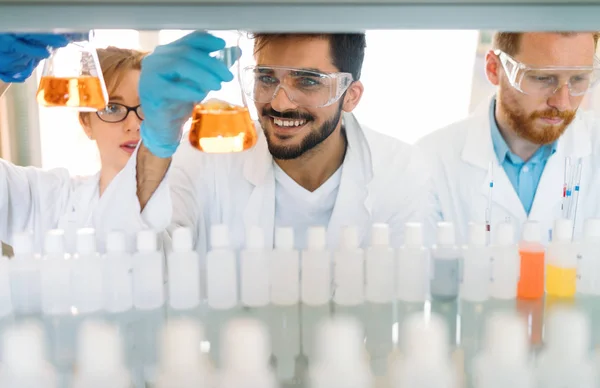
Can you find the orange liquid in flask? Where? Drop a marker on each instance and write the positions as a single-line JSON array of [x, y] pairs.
[[531, 280], [219, 127], [84, 93]]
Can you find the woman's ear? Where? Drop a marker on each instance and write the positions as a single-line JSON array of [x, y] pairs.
[[84, 121]]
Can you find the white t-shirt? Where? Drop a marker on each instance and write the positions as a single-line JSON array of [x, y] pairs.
[[297, 207]]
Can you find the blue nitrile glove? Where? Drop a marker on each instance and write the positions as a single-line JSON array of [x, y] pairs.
[[174, 78], [21, 53]]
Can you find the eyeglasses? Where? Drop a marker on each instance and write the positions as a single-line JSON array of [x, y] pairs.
[[115, 112], [306, 88], [545, 81]]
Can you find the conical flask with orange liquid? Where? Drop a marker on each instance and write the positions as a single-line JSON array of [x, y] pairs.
[[219, 126], [72, 78]]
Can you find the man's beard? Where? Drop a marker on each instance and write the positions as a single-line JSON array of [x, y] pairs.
[[529, 128], [312, 140]]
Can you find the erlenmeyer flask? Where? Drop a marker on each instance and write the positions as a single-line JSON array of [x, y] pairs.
[[72, 78], [221, 127]]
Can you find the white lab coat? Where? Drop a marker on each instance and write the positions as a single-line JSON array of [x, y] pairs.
[[383, 180], [38, 200], [461, 154]]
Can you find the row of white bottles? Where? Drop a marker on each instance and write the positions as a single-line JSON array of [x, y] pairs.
[[57, 283], [565, 361], [285, 276]]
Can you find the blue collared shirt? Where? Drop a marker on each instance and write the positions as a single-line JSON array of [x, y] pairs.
[[524, 176]]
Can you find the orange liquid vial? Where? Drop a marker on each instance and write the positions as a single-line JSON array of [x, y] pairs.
[[531, 280], [219, 127], [84, 93]]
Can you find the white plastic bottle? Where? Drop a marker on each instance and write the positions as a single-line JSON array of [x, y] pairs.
[[412, 271], [6, 305], [561, 261], [184, 271], [148, 275], [445, 261], [100, 358], [477, 266], [506, 263], [87, 284], [118, 279], [56, 275], [340, 359], [221, 272], [285, 269], [25, 282], [24, 364], [182, 364], [426, 362], [349, 270], [254, 263], [316, 268], [245, 356], [379, 266], [566, 360], [588, 266], [504, 360]]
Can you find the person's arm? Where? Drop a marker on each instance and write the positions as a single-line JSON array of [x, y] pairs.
[[150, 172], [31, 200], [3, 87]]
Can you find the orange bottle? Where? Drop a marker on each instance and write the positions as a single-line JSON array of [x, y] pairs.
[[532, 252]]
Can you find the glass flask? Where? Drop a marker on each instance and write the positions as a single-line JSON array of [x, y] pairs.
[[219, 126], [72, 78]]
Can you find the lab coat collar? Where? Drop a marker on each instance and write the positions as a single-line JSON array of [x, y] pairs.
[[357, 174]]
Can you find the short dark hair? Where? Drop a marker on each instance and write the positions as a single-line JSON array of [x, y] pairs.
[[510, 42], [347, 50]]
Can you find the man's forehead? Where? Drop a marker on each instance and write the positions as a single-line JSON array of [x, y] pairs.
[[556, 49], [297, 52]]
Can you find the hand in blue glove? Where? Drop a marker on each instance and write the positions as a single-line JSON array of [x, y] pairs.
[[173, 79], [21, 53]]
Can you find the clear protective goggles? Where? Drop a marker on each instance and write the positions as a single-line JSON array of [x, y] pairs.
[[545, 81], [305, 88]]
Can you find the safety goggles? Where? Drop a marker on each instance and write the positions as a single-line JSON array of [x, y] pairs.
[[305, 88], [545, 81], [115, 112]]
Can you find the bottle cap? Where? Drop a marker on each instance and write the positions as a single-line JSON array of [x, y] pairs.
[[182, 240], [506, 338], [477, 234], [146, 241], [532, 232], [115, 242], [380, 235], [505, 234], [54, 242], [255, 238], [591, 228], [414, 234], [425, 339], [284, 237], [563, 230], [219, 236], [568, 333], [340, 343], [316, 238], [246, 346], [24, 348], [23, 243], [349, 237], [180, 345], [445, 233], [86, 241], [100, 349]]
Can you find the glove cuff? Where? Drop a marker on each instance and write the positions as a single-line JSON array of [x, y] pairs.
[[155, 146]]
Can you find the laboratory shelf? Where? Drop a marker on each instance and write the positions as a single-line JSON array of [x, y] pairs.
[[300, 15], [292, 331]]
